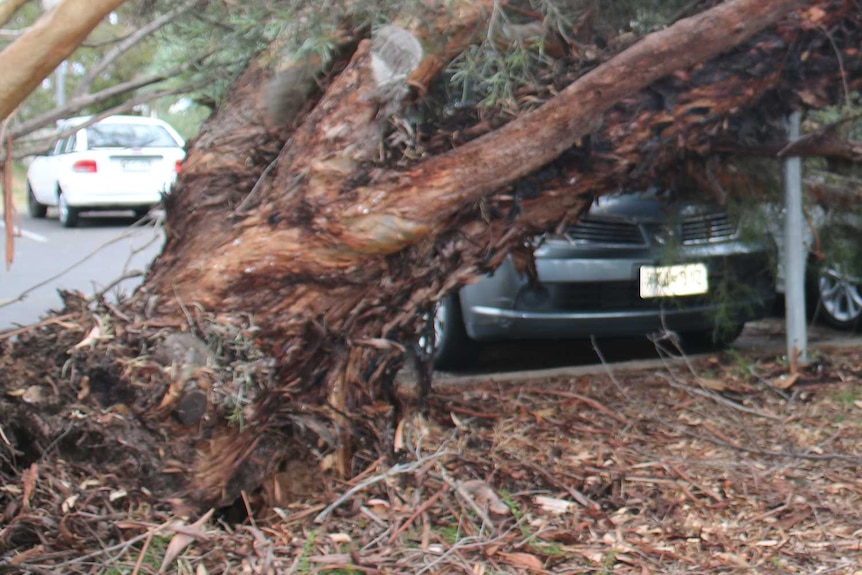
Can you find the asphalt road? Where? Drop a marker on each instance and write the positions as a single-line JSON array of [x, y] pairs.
[[89, 258]]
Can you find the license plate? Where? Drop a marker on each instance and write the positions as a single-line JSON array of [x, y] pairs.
[[669, 281], [136, 165]]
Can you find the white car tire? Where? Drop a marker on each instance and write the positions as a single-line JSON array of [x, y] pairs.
[[67, 214], [34, 208]]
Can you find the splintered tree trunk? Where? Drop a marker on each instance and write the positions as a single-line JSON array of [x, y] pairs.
[[334, 256]]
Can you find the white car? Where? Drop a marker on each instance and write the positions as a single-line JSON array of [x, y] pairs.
[[118, 163]]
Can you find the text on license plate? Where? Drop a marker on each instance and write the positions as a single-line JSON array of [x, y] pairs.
[[136, 165], [669, 281]]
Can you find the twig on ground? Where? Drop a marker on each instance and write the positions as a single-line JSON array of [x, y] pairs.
[[391, 472], [422, 508], [50, 321], [607, 367], [718, 398]]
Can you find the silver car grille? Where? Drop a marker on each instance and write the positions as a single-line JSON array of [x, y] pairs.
[[605, 231], [696, 229], [704, 228]]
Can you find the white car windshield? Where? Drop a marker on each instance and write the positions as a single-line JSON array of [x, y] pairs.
[[129, 136]]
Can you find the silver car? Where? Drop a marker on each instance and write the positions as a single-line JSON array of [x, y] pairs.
[[635, 263]]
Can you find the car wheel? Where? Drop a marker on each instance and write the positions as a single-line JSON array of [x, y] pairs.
[[452, 348], [68, 215], [34, 208], [839, 298]]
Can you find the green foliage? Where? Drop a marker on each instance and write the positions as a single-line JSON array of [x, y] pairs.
[[449, 534], [641, 16], [608, 562], [493, 78], [304, 563], [847, 396]]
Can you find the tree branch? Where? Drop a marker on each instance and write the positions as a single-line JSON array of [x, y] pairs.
[[490, 162], [52, 39], [8, 9], [39, 146], [82, 102], [127, 44], [827, 147]]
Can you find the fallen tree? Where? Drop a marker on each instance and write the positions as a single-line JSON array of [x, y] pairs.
[[307, 256]]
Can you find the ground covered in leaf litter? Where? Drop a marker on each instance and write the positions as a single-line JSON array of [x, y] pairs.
[[716, 465]]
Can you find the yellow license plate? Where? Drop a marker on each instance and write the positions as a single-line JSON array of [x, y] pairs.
[[671, 281]]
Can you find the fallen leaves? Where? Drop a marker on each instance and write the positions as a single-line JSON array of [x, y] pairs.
[[184, 535], [711, 468]]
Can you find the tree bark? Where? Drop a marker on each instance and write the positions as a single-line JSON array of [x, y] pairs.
[[819, 146], [33, 56]]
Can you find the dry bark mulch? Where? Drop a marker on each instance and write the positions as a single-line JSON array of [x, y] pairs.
[[720, 465]]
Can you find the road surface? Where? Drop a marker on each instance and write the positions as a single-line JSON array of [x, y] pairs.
[[88, 258]]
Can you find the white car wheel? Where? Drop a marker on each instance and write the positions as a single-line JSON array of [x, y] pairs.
[[67, 214], [34, 208]]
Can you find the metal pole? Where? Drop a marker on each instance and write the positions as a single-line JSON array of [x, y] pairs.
[[794, 254], [60, 88]]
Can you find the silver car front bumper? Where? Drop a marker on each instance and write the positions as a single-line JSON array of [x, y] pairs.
[[582, 293]]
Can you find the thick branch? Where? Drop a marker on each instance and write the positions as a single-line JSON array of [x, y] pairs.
[[8, 9], [827, 147], [27, 61], [526, 144]]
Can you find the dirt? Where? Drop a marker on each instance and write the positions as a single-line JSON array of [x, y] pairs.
[[726, 463]]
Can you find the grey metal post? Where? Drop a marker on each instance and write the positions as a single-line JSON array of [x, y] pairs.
[[60, 87], [794, 252]]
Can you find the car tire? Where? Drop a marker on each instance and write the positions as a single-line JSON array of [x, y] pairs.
[[453, 349], [836, 298], [34, 208], [67, 214]]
